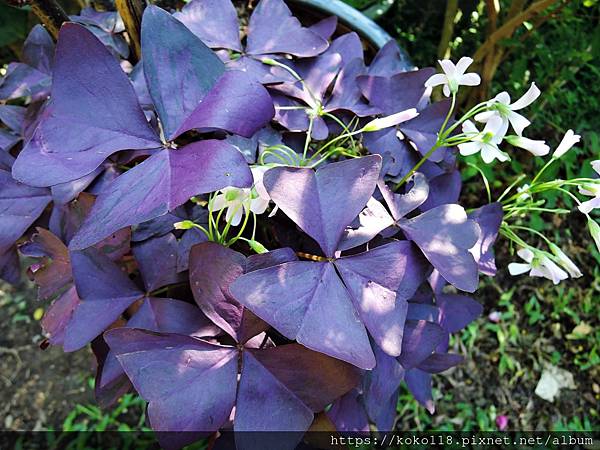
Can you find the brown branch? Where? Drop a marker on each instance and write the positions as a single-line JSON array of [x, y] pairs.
[[131, 12], [49, 12], [507, 29], [448, 28]]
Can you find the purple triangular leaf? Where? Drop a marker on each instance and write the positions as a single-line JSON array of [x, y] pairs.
[[21, 205], [58, 315], [22, 80], [38, 50], [180, 70], [348, 414], [157, 261], [371, 221], [439, 362], [373, 278], [93, 113], [384, 92], [419, 384], [488, 217], [160, 184], [13, 117], [443, 189], [423, 130], [295, 298], [105, 292], [389, 60], [457, 311], [420, 340], [273, 29], [402, 204], [10, 268], [215, 22], [326, 27], [325, 202], [237, 104], [445, 235], [190, 384]]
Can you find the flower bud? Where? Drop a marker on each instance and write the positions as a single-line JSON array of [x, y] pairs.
[[390, 121], [184, 225], [568, 141]]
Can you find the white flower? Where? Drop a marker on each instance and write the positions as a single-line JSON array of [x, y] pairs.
[[538, 148], [500, 106], [594, 231], [592, 190], [485, 142], [239, 201], [568, 141], [454, 76], [390, 121], [537, 266], [565, 261]]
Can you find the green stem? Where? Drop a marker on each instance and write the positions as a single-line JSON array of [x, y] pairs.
[[539, 174], [485, 181]]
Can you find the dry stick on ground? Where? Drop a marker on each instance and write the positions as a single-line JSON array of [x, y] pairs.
[[131, 12], [49, 12]]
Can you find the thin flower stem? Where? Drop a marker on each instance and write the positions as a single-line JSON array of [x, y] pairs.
[[511, 186], [539, 174], [308, 136], [531, 230], [485, 181], [437, 145]]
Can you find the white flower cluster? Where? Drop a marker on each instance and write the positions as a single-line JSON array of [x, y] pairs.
[[497, 116]]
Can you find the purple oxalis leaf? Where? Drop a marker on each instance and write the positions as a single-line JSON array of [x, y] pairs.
[[215, 22], [445, 235], [273, 29], [421, 338], [93, 113], [419, 384], [105, 291], [398, 93], [157, 261], [21, 205], [457, 311], [179, 69], [191, 385], [160, 184], [348, 414], [324, 202], [295, 297], [488, 217]]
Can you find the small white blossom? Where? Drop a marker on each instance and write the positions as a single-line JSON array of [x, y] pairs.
[[537, 266], [592, 191], [454, 76], [239, 201], [500, 106], [565, 261], [537, 148], [568, 141], [390, 121], [486, 141]]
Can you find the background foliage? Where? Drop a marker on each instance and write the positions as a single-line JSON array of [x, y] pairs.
[[539, 324]]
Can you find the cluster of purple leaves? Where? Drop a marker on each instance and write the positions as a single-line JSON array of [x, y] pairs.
[[99, 159]]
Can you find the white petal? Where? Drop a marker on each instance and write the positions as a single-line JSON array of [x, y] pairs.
[[587, 207], [259, 205], [566, 262], [518, 122], [436, 80], [528, 98], [518, 268], [470, 79], [490, 152], [538, 148], [550, 270], [568, 141], [234, 214], [463, 64], [448, 67], [485, 116], [469, 148], [219, 202], [503, 98], [446, 90], [596, 166], [526, 254], [469, 127]]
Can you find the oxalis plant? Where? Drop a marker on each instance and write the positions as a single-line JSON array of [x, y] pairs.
[[255, 234]]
